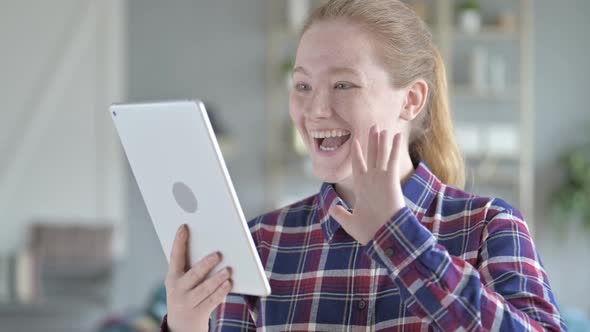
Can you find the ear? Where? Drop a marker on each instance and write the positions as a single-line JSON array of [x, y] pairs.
[[414, 99]]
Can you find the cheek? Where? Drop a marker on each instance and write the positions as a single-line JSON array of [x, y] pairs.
[[349, 100], [356, 108]]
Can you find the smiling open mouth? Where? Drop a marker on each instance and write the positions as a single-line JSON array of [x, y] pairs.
[[330, 140]]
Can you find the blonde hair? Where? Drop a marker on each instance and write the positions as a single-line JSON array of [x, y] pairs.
[[408, 52]]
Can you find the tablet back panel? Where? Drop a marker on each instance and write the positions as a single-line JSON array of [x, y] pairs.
[[182, 177]]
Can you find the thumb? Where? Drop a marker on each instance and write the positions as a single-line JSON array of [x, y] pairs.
[[339, 213]]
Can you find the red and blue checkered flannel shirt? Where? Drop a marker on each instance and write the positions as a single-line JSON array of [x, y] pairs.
[[448, 261]]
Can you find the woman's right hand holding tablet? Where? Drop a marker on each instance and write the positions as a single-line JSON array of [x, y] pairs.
[[190, 297]]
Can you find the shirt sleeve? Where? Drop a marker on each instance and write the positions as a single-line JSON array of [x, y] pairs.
[[508, 290], [233, 315], [164, 324]]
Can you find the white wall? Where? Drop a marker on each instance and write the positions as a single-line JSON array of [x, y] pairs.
[[195, 49], [562, 119], [60, 65]]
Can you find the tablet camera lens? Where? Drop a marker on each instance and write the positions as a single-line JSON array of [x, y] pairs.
[[185, 198]]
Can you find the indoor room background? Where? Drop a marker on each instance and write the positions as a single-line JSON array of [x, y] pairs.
[[78, 251]]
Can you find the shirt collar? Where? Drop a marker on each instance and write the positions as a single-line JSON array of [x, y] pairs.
[[419, 191]]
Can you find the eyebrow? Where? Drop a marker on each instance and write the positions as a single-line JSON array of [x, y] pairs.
[[335, 70], [300, 69]]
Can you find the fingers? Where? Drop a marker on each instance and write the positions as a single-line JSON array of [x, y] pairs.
[[197, 273], [393, 164], [178, 254], [207, 288], [211, 302], [358, 161], [339, 213], [383, 150], [372, 147]]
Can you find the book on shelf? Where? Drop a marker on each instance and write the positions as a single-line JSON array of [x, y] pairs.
[[19, 279]]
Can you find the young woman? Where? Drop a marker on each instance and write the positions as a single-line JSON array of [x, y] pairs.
[[391, 241]]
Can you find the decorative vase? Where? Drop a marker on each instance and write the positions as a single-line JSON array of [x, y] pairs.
[[470, 21]]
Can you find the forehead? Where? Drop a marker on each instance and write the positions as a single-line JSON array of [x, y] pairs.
[[336, 43]]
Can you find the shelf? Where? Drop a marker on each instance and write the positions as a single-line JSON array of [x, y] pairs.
[[494, 172], [486, 34], [504, 180], [510, 94], [46, 307], [501, 158]]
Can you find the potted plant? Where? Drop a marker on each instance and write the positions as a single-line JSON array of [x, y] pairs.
[[470, 16], [572, 199]]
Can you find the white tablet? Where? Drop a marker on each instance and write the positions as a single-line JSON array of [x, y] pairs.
[[183, 179]]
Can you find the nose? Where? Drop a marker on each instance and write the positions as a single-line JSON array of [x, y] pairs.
[[319, 105]]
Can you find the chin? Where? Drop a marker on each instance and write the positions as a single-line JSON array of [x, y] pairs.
[[331, 175]]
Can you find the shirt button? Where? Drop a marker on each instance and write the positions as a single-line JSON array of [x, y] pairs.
[[389, 252], [362, 304]]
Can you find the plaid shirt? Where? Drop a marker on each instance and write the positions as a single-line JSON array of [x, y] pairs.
[[448, 261]]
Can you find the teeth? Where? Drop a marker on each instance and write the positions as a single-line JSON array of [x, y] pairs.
[[329, 133], [323, 148]]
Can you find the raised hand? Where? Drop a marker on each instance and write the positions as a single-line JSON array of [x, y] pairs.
[[377, 186]]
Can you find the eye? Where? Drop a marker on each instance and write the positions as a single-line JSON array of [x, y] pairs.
[[343, 85], [302, 87]]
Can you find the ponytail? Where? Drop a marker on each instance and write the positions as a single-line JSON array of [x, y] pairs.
[[436, 145]]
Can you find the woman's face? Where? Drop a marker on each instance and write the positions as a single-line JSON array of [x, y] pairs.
[[340, 89]]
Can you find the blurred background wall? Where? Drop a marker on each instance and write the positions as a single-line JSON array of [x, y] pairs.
[[213, 51], [562, 117], [61, 164]]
